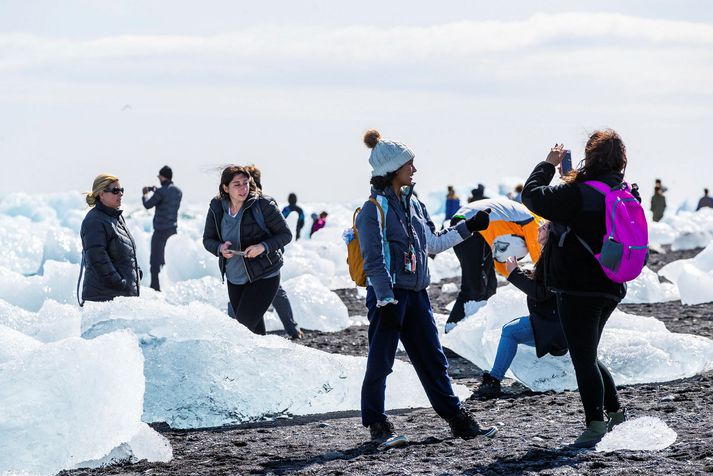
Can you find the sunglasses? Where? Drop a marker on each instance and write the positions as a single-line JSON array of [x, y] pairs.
[[115, 190]]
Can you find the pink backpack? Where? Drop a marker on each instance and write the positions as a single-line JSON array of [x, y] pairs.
[[626, 243]]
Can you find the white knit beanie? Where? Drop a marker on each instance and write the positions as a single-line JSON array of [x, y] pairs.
[[386, 155]]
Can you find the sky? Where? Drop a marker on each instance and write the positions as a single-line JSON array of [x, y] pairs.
[[478, 90]]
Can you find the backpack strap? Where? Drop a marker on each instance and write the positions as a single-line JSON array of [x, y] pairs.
[[381, 212], [80, 301], [260, 218]]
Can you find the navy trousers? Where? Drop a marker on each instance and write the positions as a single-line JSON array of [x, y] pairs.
[[158, 254], [420, 339]]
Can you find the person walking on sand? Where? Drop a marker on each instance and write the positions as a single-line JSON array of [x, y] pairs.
[[167, 200], [395, 248], [281, 302], [247, 233], [586, 297], [540, 329]]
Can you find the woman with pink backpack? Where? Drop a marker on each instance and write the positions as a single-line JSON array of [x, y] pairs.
[[587, 259]]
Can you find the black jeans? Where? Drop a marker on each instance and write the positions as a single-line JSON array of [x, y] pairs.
[[251, 300], [158, 254], [583, 320], [478, 280]]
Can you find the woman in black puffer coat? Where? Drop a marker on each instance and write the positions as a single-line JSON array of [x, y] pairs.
[[109, 250], [247, 233]]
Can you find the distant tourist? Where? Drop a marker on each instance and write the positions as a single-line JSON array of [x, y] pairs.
[[293, 207], [540, 329], [108, 249], [396, 265], [281, 302], [167, 200], [247, 233], [705, 201], [516, 194], [319, 222], [586, 297], [452, 203], [658, 203], [478, 193]]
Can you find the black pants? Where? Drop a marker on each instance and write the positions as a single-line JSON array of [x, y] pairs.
[[158, 254], [583, 320], [282, 306], [251, 300], [478, 280]]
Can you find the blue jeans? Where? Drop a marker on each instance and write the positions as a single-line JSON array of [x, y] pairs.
[[518, 331]]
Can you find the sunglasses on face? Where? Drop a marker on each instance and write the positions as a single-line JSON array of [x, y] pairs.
[[115, 190]]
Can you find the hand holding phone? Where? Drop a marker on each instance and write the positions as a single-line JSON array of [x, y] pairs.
[[566, 164]]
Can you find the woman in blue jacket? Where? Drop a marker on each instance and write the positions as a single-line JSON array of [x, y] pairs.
[[395, 253]]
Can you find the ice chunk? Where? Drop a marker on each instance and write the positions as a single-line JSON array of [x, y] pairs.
[[146, 444], [648, 289], [14, 344], [315, 306], [70, 401], [449, 288], [639, 434], [58, 282], [635, 349], [694, 277], [52, 322], [204, 369], [444, 265]]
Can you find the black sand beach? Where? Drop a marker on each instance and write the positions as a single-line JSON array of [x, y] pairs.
[[533, 427]]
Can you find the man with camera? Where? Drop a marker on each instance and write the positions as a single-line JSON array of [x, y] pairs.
[[167, 200]]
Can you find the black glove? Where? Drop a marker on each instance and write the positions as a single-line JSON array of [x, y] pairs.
[[389, 317], [479, 221]]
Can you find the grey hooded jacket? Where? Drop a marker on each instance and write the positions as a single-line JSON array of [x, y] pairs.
[[408, 227]]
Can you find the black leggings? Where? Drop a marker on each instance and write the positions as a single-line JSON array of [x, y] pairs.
[[583, 320], [250, 301]]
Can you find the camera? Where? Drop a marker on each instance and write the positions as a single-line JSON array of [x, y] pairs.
[[149, 188]]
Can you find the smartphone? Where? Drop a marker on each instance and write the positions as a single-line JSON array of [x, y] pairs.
[[235, 252], [566, 164]]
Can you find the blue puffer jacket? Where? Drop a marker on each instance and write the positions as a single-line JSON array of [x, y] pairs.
[[407, 226], [167, 200]]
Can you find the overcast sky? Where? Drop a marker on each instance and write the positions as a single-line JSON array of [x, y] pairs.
[[478, 90]]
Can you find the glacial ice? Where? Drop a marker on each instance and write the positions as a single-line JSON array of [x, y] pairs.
[[203, 369], [693, 277], [70, 401], [635, 349], [639, 434], [647, 288]]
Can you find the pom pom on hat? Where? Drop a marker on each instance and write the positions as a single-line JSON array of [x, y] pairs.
[[386, 155]]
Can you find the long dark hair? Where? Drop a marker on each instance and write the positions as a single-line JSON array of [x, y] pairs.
[[604, 154], [229, 174], [382, 182]]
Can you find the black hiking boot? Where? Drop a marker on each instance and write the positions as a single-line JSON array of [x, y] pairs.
[[463, 425], [489, 387], [381, 430]]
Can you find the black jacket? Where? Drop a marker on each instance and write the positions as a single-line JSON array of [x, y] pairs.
[[167, 200], [544, 318], [109, 256], [274, 238], [569, 267]]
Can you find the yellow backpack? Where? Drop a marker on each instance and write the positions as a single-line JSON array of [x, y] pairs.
[[355, 260]]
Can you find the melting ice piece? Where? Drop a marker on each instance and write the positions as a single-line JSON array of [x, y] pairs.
[[204, 369], [70, 401], [648, 289], [635, 349], [644, 433]]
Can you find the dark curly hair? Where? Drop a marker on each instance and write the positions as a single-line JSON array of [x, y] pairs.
[[605, 153]]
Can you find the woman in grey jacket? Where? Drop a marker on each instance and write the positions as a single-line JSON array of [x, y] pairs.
[[395, 253]]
